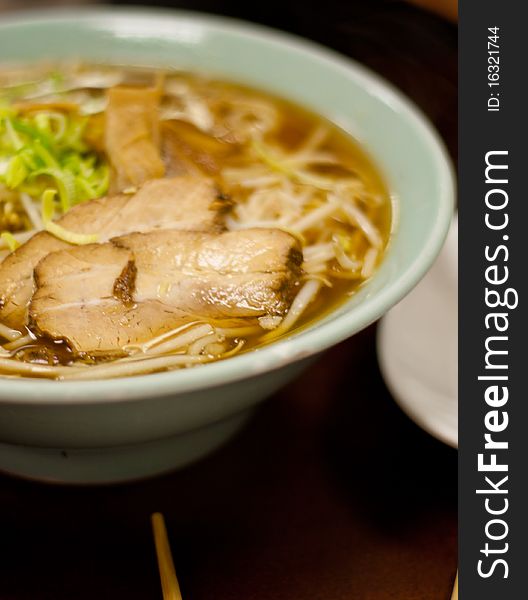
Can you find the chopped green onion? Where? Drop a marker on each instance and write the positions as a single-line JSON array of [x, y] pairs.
[[42, 122], [73, 136], [14, 138], [29, 158], [16, 172], [45, 155], [65, 184], [101, 182], [48, 205], [45, 148], [45, 120], [48, 212], [84, 188], [10, 240], [32, 132]]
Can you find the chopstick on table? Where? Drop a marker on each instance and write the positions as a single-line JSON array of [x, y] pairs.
[[169, 582], [454, 596]]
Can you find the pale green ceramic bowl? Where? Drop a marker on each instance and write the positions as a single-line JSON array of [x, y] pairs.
[[102, 431]]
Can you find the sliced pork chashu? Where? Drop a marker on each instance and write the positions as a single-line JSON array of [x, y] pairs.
[[102, 297], [132, 137], [188, 202], [247, 273], [83, 296]]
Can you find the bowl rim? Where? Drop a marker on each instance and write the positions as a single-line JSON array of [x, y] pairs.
[[291, 349]]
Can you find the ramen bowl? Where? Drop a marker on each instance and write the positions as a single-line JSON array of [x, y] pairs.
[[100, 431]]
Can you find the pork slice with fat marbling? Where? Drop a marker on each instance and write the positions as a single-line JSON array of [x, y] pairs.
[[84, 296], [248, 273], [102, 297], [187, 202]]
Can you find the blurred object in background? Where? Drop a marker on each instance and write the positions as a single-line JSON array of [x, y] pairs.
[[445, 8], [418, 355], [6, 5]]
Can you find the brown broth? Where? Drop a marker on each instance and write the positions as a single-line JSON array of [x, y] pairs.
[[295, 123]]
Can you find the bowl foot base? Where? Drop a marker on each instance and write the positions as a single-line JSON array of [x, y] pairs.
[[120, 463]]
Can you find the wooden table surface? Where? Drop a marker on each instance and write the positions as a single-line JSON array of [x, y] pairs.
[[330, 493]]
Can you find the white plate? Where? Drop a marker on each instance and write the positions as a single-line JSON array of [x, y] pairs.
[[418, 347]]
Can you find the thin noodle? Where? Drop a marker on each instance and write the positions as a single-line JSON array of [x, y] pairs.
[[316, 216], [197, 347], [369, 263], [8, 333], [314, 140], [10, 365], [181, 341], [126, 369], [154, 341], [19, 342], [137, 367], [238, 331], [359, 218], [344, 260], [305, 296]]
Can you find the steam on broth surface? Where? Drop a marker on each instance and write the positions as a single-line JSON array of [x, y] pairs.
[[154, 220]]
